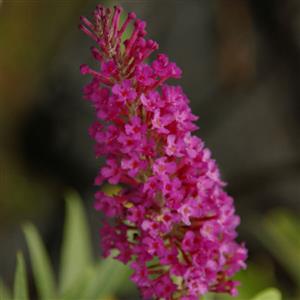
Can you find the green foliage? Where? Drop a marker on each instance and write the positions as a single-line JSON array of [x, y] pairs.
[[109, 276], [76, 244], [80, 276], [280, 235], [20, 284], [269, 294], [42, 270], [4, 292], [253, 280]]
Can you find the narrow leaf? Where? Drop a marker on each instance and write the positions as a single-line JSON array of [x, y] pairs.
[[110, 276], [43, 273], [269, 294], [20, 283], [76, 255], [4, 292], [76, 291], [279, 235]]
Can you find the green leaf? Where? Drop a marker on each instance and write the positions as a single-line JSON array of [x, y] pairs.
[[42, 271], [76, 255], [76, 291], [110, 276], [269, 294], [4, 292], [208, 296], [255, 278], [20, 284], [280, 235]]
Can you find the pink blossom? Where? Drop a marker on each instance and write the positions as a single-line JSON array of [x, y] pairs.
[[170, 256], [174, 148], [111, 171], [124, 91], [164, 286], [165, 69], [168, 219], [196, 287], [107, 204], [135, 128], [211, 230], [140, 275], [151, 101], [163, 167], [159, 121], [133, 164], [170, 187], [152, 227], [136, 214], [186, 211], [128, 142], [151, 186], [155, 246], [145, 75], [171, 215], [109, 68], [190, 241]]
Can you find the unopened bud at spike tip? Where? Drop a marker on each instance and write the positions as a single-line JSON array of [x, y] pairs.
[[118, 8], [84, 69], [131, 15]]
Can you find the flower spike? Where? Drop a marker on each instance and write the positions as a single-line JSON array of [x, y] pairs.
[[170, 218]]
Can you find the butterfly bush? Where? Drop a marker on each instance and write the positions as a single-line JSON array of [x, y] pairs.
[[171, 219]]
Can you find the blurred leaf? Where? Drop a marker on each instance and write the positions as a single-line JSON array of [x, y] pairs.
[[4, 292], [280, 235], [269, 294], [76, 291], [43, 273], [255, 278], [81, 277], [20, 284], [208, 296], [109, 277], [76, 253]]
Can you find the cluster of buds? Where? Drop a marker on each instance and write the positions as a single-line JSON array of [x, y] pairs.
[[170, 219]]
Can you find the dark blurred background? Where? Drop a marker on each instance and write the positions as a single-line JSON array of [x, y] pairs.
[[241, 70]]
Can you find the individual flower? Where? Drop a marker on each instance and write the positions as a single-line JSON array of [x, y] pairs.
[[124, 91]]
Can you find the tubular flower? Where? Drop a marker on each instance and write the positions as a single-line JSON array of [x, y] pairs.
[[171, 219]]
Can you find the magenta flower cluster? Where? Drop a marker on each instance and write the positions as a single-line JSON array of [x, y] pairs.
[[171, 218]]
